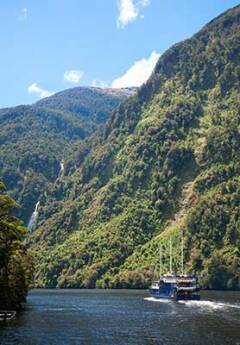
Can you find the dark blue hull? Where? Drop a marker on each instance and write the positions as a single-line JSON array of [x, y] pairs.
[[188, 298], [172, 295], [160, 295]]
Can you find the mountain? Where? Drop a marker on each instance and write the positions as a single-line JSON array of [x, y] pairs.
[[91, 105], [35, 140], [166, 162]]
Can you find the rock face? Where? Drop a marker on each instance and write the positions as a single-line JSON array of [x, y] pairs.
[[34, 139]]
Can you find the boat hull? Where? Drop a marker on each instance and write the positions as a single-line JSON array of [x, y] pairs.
[[188, 298], [158, 295], [173, 296]]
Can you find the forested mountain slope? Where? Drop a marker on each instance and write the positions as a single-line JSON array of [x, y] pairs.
[[36, 139], [167, 161], [91, 105]]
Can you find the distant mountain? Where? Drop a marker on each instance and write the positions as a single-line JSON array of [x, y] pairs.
[[91, 105], [166, 162], [35, 139]]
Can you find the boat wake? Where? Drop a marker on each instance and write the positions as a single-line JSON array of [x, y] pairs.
[[152, 299], [200, 304], [209, 304]]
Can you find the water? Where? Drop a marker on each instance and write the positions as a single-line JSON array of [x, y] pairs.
[[61, 171], [123, 317], [34, 216]]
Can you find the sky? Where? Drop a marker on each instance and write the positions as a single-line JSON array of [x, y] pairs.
[[51, 45]]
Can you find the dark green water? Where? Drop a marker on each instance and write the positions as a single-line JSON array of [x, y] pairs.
[[124, 317]]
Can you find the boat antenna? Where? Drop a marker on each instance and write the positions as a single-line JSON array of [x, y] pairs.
[[170, 250], [160, 259], [182, 252]]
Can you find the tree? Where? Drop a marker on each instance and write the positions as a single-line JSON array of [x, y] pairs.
[[15, 262]]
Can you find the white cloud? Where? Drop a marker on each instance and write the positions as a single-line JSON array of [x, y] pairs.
[[34, 89], [130, 10], [99, 83], [24, 14], [73, 76], [138, 73]]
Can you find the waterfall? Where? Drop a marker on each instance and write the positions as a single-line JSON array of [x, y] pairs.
[[61, 169], [34, 216]]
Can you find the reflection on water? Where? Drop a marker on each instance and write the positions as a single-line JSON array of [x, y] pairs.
[[123, 317]]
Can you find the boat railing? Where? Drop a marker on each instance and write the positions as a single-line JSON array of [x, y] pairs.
[[169, 280], [155, 285], [185, 280], [186, 288]]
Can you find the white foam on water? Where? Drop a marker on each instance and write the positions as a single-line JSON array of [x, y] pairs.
[[209, 304], [152, 299], [212, 305]]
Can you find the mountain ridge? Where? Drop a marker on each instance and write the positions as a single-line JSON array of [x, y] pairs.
[[36, 138], [100, 225]]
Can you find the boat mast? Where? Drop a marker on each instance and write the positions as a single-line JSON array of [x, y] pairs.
[[170, 250], [182, 252], [160, 259]]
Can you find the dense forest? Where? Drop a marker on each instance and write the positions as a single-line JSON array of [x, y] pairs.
[[15, 262], [35, 140], [119, 172], [166, 162]]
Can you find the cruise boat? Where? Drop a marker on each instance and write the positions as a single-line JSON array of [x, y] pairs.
[[176, 287]]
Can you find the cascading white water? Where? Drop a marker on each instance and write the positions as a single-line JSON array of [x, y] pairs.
[[61, 169], [34, 216]]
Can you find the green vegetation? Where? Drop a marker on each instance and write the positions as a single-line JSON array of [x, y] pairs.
[[167, 161], [35, 139], [15, 262]]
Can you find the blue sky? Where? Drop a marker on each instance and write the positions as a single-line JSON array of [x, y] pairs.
[[51, 45]]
